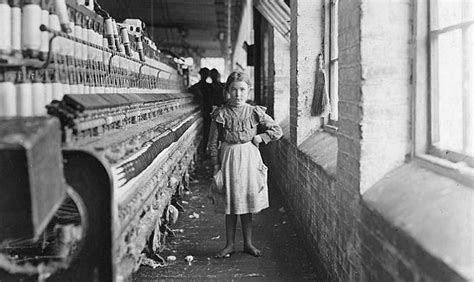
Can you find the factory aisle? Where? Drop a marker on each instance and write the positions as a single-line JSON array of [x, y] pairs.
[[284, 255]]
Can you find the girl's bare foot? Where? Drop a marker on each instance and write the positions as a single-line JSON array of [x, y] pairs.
[[250, 249], [226, 252]]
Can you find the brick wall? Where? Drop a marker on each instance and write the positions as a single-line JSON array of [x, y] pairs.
[[306, 37], [354, 242]]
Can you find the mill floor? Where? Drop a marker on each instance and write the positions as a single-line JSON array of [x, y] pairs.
[[284, 255]]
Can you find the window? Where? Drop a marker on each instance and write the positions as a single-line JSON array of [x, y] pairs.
[[451, 36], [331, 58]]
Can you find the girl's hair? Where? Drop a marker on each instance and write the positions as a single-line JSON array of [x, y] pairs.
[[237, 76]]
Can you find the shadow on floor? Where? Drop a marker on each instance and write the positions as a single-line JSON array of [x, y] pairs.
[[284, 255]]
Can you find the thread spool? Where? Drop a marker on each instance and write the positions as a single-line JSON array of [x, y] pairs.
[[44, 44], [24, 95], [56, 45], [5, 28], [91, 38], [121, 60], [116, 36], [105, 55], [85, 37], [7, 95], [15, 28], [109, 33], [93, 35], [62, 12], [30, 32], [125, 40], [64, 75], [38, 94], [73, 89], [98, 41], [58, 91], [64, 78], [79, 89], [48, 89], [69, 44], [122, 49], [141, 54], [72, 83], [78, 34], [101, 82], [98, 29]]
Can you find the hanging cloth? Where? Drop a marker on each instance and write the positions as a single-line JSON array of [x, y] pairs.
[[321, 103]]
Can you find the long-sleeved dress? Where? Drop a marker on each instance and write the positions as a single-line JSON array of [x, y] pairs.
[[230, 145]]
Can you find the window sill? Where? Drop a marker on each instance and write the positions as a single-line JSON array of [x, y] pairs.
[[331, 129], [321, 148], [435, 210], [457, 171]]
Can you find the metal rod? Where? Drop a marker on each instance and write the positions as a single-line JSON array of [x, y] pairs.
[[48, 58], [114, 53], [140, 72]]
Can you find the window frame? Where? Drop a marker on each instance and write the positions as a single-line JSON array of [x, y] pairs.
[[424, 97], [330, 61], [433, 35]]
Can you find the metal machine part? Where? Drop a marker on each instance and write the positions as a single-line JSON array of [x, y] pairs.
[[43, 219]]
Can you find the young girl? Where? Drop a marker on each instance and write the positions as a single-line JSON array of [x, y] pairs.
[[234, 125]]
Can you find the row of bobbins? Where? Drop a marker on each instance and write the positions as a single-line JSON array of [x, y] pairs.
[[26, 92], [19, 27], [75, 67], [20, 21]]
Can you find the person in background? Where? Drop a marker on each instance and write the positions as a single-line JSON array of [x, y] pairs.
[[202, 92], [217, 88], [245, 191]]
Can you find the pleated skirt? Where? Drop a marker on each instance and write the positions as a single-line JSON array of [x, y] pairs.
[[245, 180]]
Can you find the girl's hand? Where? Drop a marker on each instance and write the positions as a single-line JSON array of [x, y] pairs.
[[256, 140], [217, 167]]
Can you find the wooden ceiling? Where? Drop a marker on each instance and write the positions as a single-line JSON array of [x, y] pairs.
[[186, 27]]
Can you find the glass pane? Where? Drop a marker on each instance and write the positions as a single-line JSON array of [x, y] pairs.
[[334, 48], [449, 13], [333, 91], [468, 84], [450, 92]]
